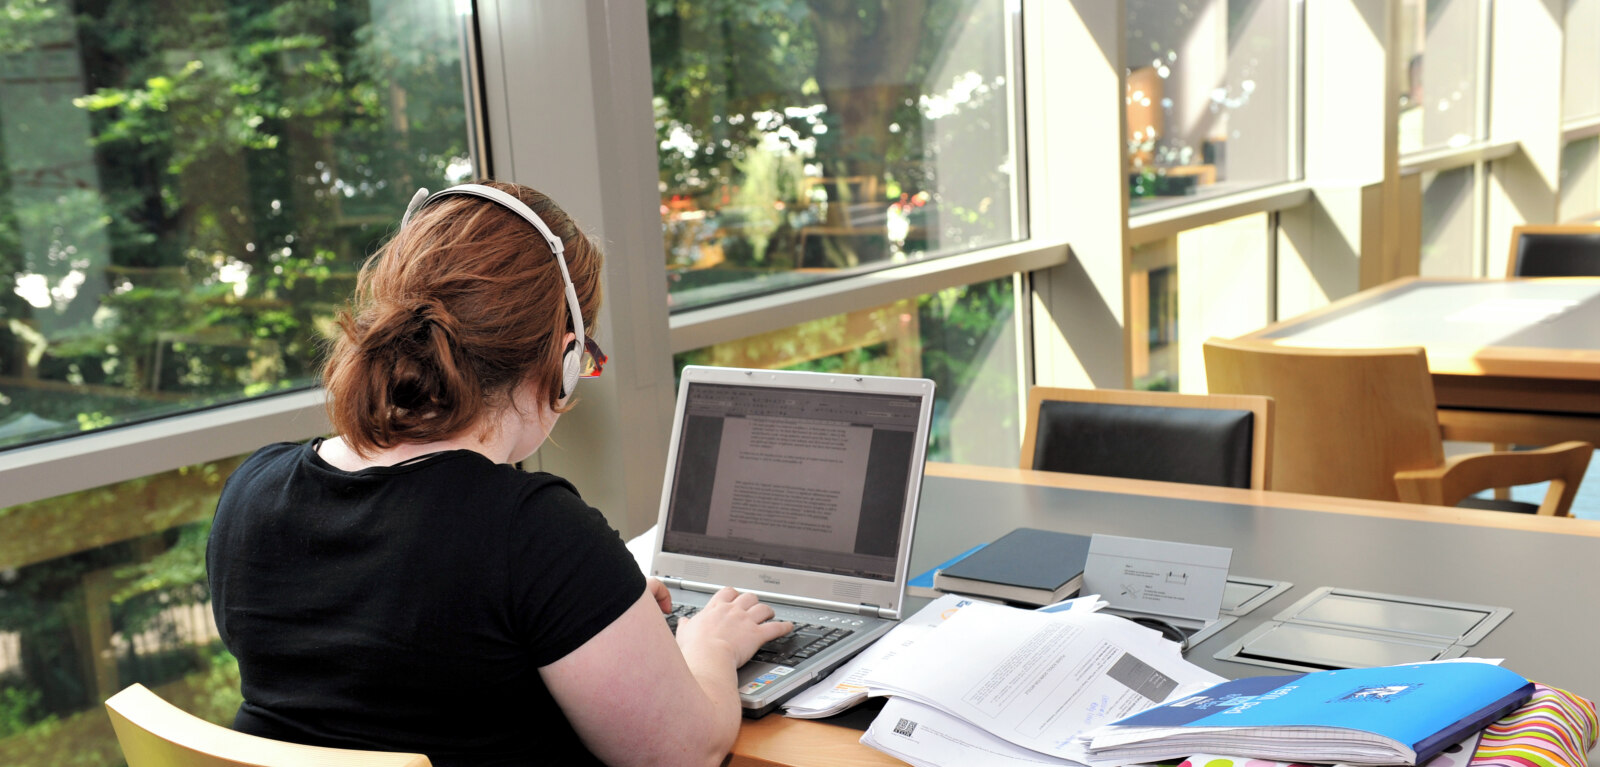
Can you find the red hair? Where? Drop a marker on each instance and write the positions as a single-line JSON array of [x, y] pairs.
[[458, 309]]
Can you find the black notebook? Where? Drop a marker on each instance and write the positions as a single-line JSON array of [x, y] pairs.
[[1026, 565]]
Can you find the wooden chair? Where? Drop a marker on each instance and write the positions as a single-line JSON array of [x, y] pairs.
[[1363, 423], [1195, 438], [155, 733], [1554, 250]]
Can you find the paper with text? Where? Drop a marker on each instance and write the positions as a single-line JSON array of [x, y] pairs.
[[923, 735], [847, 685], [1038, 679], [790, 481]]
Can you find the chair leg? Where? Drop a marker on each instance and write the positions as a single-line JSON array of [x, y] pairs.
[[1502, 493]]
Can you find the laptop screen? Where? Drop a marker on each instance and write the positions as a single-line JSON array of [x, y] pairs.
[[798, 478]]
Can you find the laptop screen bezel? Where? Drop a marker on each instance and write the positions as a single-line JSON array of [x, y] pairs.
[[780, 582]]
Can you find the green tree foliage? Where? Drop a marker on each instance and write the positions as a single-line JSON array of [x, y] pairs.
[[238, 160], [840, 83]]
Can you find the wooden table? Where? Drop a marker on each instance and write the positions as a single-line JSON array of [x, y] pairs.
[[1429, 551], [1512, 360]]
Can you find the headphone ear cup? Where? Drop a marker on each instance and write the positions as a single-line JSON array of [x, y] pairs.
[[571, 369]]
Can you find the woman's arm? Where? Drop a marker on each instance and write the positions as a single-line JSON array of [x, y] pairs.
[[637, 697]]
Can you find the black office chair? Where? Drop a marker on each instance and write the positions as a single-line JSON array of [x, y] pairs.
[[1555, 250], [1204, 439]]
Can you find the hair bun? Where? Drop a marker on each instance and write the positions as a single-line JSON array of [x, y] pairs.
[[458, 312]]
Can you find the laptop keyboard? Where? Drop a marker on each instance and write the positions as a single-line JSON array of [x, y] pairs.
[[805, 641]]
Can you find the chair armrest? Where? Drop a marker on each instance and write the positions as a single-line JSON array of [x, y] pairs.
[[1561, 465]]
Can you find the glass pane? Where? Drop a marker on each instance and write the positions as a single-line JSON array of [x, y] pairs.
[[802, 142], [1209, 96], [1439, 43], [100, 589], [1208, 281], [1580, 83], [1580, 180], [1448, 221], [185, 195], [964, 339], [1153, 315]]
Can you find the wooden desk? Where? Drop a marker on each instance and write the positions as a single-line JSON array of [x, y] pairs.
[[1504, 368], [1312, 541]]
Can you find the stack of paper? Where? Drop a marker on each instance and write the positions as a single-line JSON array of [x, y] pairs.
[[846, 686], [995, 685]]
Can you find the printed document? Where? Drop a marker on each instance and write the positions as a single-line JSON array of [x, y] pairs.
[[928, 737], [847, 686], [1038, 679]]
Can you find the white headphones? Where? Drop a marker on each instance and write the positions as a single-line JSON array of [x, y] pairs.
[[572, 360]]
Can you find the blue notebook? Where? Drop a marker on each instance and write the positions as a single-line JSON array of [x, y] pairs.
[[1378, 715], [1026, 565]]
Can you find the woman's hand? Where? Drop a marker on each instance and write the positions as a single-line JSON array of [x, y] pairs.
[[730, 628], [658, 591]]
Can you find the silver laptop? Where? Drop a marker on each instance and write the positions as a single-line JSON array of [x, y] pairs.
[[801, 488]]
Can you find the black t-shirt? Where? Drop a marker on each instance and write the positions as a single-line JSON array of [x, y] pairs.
[[409, 608]]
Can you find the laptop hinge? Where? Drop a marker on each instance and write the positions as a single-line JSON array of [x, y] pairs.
[[869, 610]]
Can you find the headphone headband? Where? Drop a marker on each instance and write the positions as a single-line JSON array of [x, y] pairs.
[[572, 361]]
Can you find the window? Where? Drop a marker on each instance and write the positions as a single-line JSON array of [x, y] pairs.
[[1440, 52], [964, 339], [1581, 81], [801, 142], [1211, 280], [101, 589], [1210, 96], [186, 194]]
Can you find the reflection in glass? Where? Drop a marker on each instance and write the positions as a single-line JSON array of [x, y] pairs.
[[100, 589], [1153, 353], [801, 141], [186, 193], [1439, 84], [963, 338], [1208, 98]]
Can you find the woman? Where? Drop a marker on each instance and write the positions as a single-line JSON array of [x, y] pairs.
[[402, 587]]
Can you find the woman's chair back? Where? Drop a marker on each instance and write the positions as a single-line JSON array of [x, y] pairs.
[[155, 733]]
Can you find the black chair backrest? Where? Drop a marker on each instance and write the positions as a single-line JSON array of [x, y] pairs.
[[1557, 254], [1170, 444]]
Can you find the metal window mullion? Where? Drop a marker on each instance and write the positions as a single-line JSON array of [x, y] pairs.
[[117, 454], [699, 328], [1582, 128], [1158, 225], [1435, 160], [1480, 127]]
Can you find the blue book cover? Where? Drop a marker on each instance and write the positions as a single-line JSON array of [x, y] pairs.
[[1425, 707], [1026, 558]]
